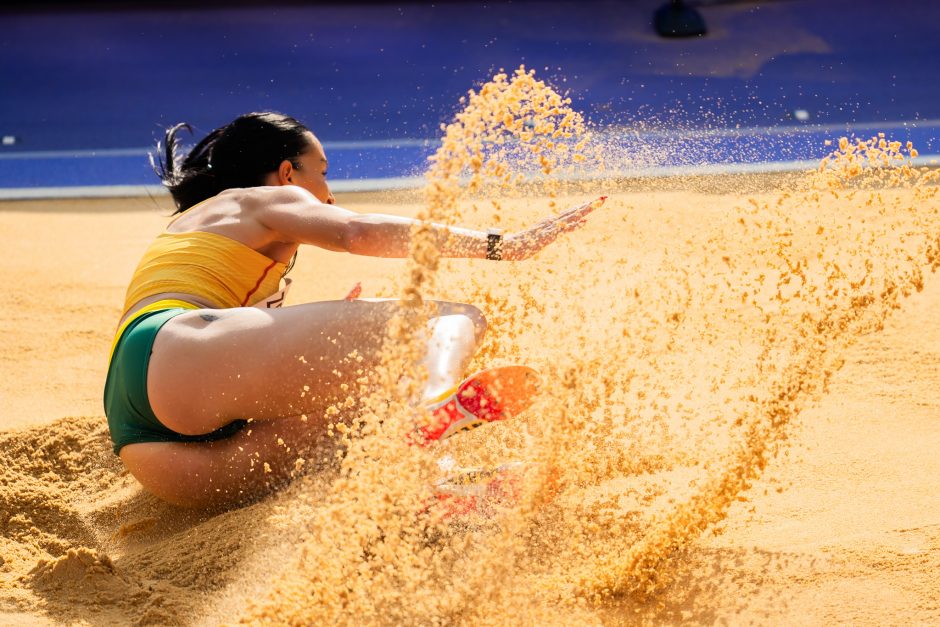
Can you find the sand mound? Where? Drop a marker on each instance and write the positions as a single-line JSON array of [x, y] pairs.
[[92, 585], [81, 541], [83, 573]]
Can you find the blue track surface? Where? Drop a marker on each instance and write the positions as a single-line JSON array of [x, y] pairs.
[[85, 92]]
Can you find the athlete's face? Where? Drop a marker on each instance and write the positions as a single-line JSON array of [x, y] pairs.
[[308, 170]]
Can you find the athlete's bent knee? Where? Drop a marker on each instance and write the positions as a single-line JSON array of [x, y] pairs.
[[476, 317]]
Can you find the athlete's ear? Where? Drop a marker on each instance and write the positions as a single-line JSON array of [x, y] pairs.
[[285, 172]]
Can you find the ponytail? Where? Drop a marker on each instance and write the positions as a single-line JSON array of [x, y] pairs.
[[239, 154], [190, 179]]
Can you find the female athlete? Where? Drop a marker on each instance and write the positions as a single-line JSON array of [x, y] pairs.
[[202, 349]]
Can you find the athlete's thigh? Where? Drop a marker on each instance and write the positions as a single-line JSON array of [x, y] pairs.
[[209, 367], [440, 308]]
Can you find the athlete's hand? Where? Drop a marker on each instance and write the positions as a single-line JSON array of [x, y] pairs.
[[524, 244]]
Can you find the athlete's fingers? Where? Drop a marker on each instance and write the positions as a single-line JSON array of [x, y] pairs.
[[575, 214], [578, 217], [590, 207], [576, 210], [584, 210], [549, 229], [575, 219], [572, 224]]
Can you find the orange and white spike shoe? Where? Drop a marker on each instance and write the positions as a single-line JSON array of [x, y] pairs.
[[469, 493], [473, 495], [488, 396]]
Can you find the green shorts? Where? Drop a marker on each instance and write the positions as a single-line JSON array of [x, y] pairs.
[[130, 418]]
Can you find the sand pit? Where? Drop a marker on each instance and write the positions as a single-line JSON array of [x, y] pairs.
[[844, 527], [737, 422]]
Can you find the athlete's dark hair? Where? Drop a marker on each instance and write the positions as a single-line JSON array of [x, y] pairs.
[[239, 154]]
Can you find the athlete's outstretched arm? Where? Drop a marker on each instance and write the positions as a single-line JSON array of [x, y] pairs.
[[298, 216]]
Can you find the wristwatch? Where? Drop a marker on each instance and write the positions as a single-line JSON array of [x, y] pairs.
[[494, 244]]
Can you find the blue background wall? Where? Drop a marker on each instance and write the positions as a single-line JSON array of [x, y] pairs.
[[365, 76]]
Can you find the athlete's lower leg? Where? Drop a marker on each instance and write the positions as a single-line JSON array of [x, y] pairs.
[[452, 342]]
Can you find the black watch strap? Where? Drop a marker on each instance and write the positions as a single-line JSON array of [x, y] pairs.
[[494, 244]]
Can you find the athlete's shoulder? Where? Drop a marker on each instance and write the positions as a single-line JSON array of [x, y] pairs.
[[271, 194]]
